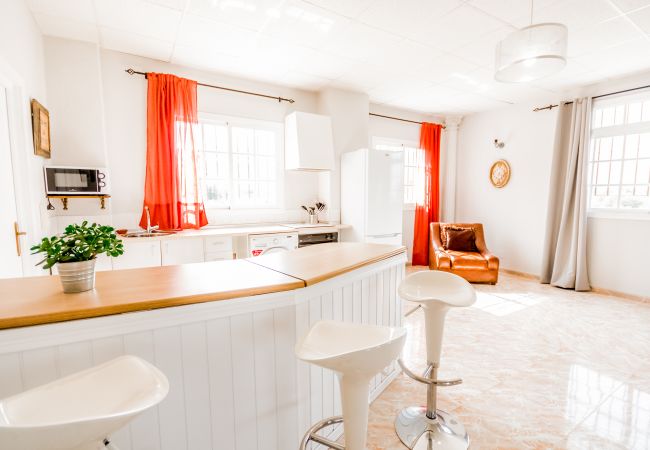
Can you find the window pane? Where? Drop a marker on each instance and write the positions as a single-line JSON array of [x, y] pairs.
[[629, 172], [634, 112], [617, 147], [631, 146], [608, 117], [615, 173], [598, 118], [646, 111], [603, 173], [604, 198], [644, 145], [605, 152], [216, 192], [643, 171], [619, 117]]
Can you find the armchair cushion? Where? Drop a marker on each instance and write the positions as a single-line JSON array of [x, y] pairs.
[[467, 260]]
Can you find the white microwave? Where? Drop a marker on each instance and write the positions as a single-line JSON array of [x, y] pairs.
[[76, 181]]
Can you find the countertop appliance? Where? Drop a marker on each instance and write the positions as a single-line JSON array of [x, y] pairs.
[[305, 240], [372, 197], [263, 244], [64, 180]]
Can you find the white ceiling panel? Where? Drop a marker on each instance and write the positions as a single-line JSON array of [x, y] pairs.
[[135, 44], [426, 55], [138, 17], [66, 28]]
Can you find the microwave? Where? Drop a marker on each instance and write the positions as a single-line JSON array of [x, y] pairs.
[[76, 181]]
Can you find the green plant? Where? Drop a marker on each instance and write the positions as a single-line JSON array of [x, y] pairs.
[[79, 243]]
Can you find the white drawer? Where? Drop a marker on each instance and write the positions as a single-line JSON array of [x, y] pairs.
[[218, 256], [217, 244]]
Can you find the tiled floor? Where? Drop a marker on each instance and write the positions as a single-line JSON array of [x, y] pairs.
[[543, 368]]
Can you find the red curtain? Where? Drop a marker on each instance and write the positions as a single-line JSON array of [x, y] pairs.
[[171, 189], [429, 211]]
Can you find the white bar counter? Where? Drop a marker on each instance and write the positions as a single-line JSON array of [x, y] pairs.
[[222, 332]]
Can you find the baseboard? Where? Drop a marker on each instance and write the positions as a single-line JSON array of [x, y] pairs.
[[517, 273], [602, 291]]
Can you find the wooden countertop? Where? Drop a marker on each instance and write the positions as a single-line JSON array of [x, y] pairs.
[[40, 300], [317, 263]]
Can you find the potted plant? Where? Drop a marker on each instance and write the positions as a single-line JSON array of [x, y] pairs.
[[75, 252]]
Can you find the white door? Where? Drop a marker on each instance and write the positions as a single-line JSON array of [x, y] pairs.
[[385, 192], [11, 243]]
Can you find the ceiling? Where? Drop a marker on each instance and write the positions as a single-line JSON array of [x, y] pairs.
[[432, 56]]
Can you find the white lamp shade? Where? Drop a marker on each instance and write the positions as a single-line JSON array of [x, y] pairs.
[[531, 53]]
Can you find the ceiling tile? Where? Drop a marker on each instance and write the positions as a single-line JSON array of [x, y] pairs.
[[407, 18], [303, 80], [220, 37], [627, 6], [440, 68], [458, 28], [324, 64], [481, 51], [509, 10], [66, 28], [174, 4], [606, 34], [251, 14], [369, 43], [575, 14], [138, 17], [206, 58], [619, 60], [125, 42], [348, 8], [76, 10], [642, 19]]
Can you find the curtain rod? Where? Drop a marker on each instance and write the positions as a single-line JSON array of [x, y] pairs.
[[400, 119], [257, 94], [549, 107]]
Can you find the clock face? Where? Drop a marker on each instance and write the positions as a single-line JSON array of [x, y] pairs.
[[500, 173]]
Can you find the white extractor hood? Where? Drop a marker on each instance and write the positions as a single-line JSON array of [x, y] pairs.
[[308, 142]]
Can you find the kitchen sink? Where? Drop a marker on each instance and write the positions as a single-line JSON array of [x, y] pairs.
[[141, 234]]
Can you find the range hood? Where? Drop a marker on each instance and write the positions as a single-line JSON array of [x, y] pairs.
[[308, 142]]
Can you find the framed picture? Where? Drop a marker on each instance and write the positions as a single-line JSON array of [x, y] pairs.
[[41, 129], [500, 173]]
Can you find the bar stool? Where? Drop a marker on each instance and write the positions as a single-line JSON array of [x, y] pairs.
[[428, 427], [356, 353], [80, 411]]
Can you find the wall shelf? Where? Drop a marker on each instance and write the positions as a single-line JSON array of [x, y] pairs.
[[64, 199]]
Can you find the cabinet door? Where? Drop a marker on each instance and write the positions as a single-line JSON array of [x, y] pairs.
[[218, 256], [138, 254], [182, 251]]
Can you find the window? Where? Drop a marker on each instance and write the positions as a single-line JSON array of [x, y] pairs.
[[240, 162], [413, 167], [619, 158]]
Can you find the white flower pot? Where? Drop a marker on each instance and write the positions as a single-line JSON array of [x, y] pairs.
[[77, 276]]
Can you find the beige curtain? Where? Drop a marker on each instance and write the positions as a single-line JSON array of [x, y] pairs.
[[565, 250]]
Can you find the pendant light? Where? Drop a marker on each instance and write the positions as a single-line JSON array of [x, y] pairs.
[[531, 53]]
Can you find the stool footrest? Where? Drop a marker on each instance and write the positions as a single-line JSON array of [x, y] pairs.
[[312, 436], [426, 379]]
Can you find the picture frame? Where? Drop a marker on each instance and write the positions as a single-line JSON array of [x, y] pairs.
[[41, 130]]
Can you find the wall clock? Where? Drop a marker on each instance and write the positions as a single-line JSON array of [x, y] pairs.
[[500, 173]]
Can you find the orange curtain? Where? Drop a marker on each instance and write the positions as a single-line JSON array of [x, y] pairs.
[[171, 189], [429, 211]]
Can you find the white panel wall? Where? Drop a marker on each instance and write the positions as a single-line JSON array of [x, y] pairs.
[[234, 379]]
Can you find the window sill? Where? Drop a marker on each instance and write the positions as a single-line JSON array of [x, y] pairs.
[[618, 214]]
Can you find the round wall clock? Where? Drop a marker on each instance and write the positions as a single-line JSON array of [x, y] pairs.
[[500, 173]]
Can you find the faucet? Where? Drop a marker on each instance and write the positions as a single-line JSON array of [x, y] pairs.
[[150, 229]]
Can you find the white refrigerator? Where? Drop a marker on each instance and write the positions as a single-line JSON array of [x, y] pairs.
[[372, 196]]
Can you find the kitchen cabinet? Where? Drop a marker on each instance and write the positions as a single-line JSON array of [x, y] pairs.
[[182, 251], [138, 254], [308, 142], [218, 256]]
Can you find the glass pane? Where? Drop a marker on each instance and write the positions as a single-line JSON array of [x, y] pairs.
[[216, 192], [634, 113], [605, 149], [619, 116], [643, 171], [646, 111], [603, 173], [615, 172], [603, 197], [243, 140], [629, 172], [641, 190], [265, 142], [631, 146], [617, 147], [597, 118], [631, 201], [608, 117], [644, 145], [209, 137]]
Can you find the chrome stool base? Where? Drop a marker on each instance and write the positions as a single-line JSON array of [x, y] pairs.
[[312, 436], [418, 432]]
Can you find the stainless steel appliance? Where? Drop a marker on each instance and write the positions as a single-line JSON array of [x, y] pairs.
[[60, 180], [305, 240]]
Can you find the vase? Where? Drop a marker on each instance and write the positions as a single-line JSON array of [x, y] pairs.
[[77, 276], [313, 219]]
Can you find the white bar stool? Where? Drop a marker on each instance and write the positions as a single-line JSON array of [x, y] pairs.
[[80, 411], [428, 427], [356, 353]]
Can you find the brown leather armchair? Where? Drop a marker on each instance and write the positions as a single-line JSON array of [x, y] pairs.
[[475, 267]]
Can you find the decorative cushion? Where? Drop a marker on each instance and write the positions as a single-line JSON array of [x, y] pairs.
[[444, 228], [463, 240]]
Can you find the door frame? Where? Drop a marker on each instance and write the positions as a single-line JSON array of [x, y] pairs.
[[25, 169]]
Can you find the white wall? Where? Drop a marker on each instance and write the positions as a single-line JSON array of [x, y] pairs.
[[101, 120], [404, 131], [22, 70], [515, 216]]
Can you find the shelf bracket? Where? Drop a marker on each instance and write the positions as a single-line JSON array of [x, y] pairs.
[[64, 200]]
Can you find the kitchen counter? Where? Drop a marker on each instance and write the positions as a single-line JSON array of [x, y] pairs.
[[40, 300], [223, 333]]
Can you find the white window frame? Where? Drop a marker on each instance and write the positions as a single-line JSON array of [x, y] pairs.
[[234, 121], [403, 143], [612, 131]]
